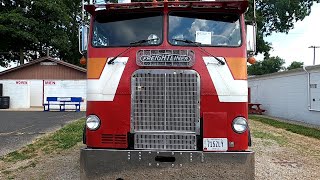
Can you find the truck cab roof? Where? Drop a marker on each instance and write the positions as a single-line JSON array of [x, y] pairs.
[[233, 6]]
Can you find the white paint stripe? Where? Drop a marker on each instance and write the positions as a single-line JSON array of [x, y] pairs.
[[104, 89], [228, 89]]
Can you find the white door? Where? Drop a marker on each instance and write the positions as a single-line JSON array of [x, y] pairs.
[[36, 92], [315, 91]]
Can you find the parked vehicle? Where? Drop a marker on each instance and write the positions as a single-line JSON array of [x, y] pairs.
[[167, 86]]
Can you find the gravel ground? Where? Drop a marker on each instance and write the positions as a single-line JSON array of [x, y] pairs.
[[280, 155]]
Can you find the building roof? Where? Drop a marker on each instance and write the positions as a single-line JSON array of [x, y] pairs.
[[46, 58], [286, 73]]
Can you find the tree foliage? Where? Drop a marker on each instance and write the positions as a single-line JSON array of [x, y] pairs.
[[35, 25], [277, 16], [295, 65], [267, 66]]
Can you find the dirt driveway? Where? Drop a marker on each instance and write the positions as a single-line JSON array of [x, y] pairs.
[[279, 155]]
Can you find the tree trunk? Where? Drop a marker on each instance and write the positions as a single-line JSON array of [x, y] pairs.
[[21, 57]]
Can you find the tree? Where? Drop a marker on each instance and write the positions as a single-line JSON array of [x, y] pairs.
[[32, 26], [295, 65], [267, 66], [15, 29], [277, 16], [72, 54]]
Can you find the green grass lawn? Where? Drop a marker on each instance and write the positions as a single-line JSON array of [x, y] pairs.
[[306, 131]]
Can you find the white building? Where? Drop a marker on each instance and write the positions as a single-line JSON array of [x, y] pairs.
[[292, 95], [30, 84]]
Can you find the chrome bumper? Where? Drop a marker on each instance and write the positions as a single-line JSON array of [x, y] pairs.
[[107, 163]]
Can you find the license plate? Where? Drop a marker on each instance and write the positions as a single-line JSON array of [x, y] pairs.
[[215, 144]]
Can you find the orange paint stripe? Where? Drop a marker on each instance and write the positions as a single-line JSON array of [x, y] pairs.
[[238, 67], [95, 67]]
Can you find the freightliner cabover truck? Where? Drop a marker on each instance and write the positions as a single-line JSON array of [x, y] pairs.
[[167, 87]]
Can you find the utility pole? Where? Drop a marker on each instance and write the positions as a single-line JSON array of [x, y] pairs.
[[314, 53]]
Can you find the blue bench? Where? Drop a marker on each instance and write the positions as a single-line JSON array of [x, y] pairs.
[[62, 102]]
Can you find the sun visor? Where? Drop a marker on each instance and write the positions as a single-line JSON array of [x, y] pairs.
[[237, 6], [94, 8]]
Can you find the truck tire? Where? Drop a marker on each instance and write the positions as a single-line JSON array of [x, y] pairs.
[[84, 140], [249, 138]]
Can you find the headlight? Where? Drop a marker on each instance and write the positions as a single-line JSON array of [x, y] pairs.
[[93, 122], [240, 125]]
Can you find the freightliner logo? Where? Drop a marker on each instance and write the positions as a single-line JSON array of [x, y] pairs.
[[177, 58], [165, 58]]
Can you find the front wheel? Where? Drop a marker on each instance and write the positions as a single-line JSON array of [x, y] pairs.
[[249, 138], [84, 139]]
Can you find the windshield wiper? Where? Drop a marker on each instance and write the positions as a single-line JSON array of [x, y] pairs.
[[131, 45], [198, 44]]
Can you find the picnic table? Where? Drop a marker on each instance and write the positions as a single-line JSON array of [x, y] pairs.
[[254, 108], [62, 102]]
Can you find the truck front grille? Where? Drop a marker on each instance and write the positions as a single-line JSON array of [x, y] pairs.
[[165, 107], [165, 141]]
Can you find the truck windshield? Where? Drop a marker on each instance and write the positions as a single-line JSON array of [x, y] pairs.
[[208, 29], [121, 29]]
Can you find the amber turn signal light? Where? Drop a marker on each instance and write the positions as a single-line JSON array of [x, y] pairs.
[[83, 60], [252, 60]]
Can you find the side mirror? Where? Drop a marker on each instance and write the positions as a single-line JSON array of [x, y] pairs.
[[251, 38], [83, 38]]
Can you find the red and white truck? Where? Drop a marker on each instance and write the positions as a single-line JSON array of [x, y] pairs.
[[167, 86]]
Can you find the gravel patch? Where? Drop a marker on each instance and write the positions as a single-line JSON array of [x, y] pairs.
[[298, 158], [57, 166]]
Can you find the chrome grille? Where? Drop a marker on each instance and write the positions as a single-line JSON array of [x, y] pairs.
[[165, 141], [165, 101]]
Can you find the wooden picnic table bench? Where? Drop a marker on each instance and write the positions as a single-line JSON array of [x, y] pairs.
[[254, 108], [62, 102]]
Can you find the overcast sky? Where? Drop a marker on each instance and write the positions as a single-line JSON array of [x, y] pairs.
[[294, 45], [11, 65]]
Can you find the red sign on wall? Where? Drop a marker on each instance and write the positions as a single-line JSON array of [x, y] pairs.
[[49, 83], [22, 82]]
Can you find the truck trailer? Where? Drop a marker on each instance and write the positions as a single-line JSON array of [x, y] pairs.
[[167, 87]]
